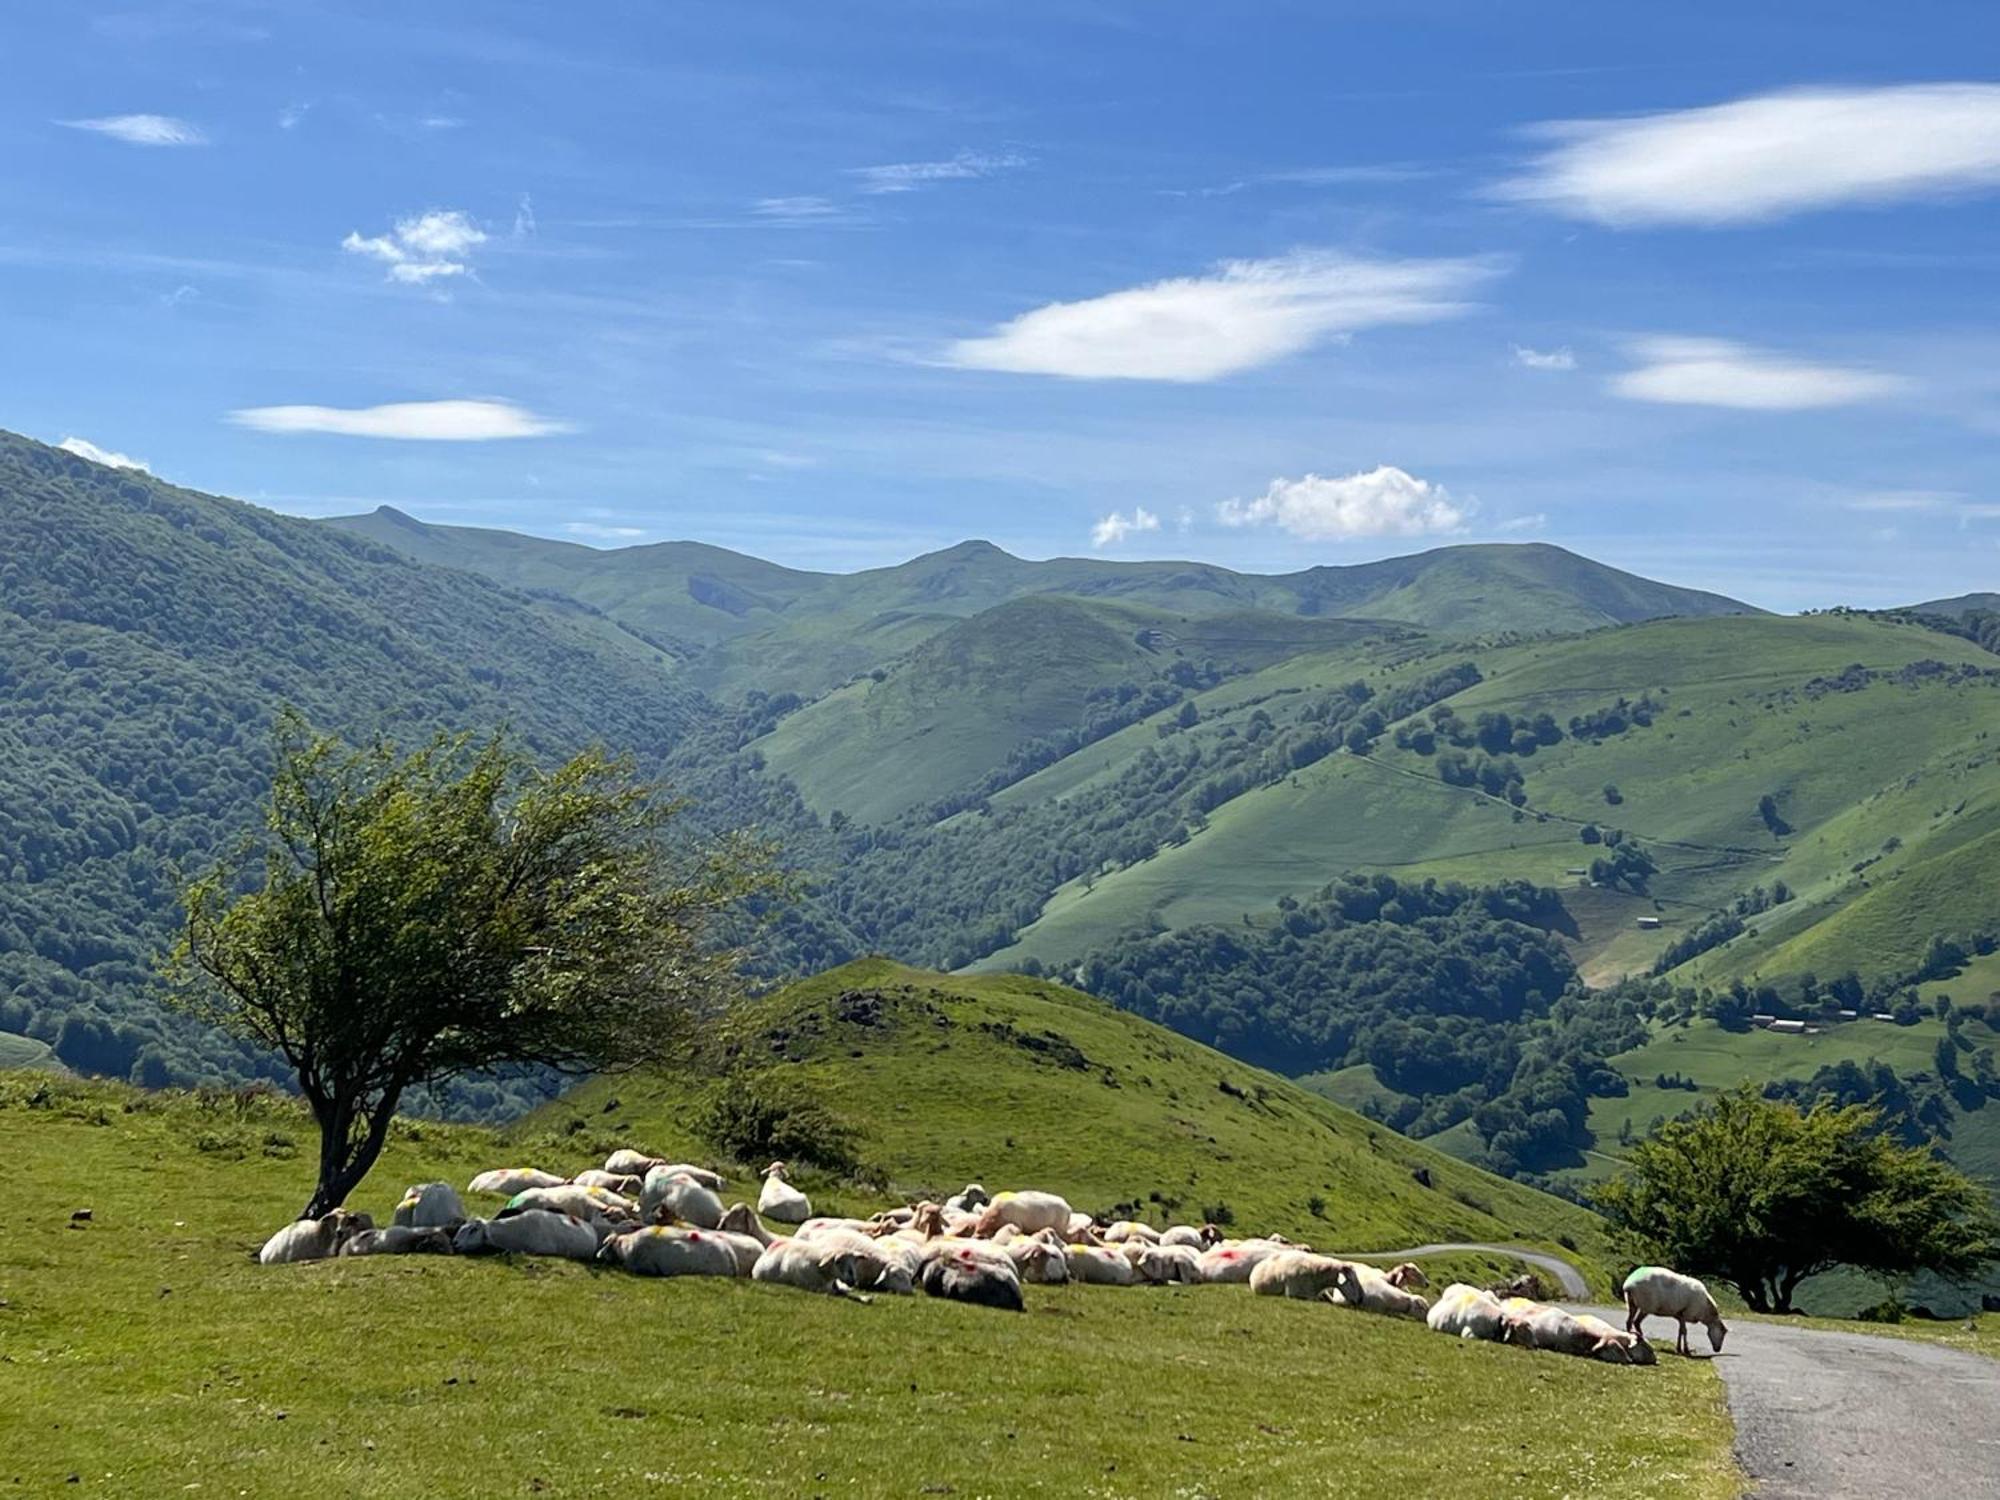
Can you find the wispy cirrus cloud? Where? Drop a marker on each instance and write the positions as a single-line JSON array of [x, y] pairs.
[[1716, 372], [803, 207], [142, 130], [83, 448], [597, 531], [1544, 359], [419, 421], [1114, 528], [1769, 156], [424, 247], [1383, 501], [908, 176], [1952, 503], [1243, 314]]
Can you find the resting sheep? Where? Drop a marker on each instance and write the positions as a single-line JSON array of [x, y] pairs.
[[1158, 1265], [1234, 1262], [1126, 1230], [1187, 1234], [399, 1239], [1470, 1312], [1028, 1212], [313, 1239], [1100, 1265], [533, 1231], [624, 1184], [592, 1205], [656, 1251], [780, 1200], [1040, 1260], [507, 1181], [430, 1205], [840, 1264], [1408, 1274], [1655, 1291], [681, 1197], [961, 1274], [1297, 1274], [1368, 1289], [1534, 1325], [969, 1201]]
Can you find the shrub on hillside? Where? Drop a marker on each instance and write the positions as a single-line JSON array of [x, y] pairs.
[[769, 1116]]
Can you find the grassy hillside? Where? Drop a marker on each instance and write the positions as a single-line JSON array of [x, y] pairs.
[[147, 1354], [25, 1052]]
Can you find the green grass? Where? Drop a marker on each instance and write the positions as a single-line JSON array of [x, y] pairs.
[[145, 1353], [25, 1052]]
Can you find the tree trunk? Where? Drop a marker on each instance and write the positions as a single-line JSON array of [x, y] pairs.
[[1753, 1295], [344, 1162]]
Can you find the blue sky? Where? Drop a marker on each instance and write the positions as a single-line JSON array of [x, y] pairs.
[[1700, 291]]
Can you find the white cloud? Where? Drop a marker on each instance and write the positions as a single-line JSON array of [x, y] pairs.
[[1384, 501], [290, 116], [423, 247], [1770, 156], [1114, 528], [1714, 372], [524, 217], [1544, 359], [1244, 314], [143, 130], [794, 208], [1929, 502], [432, 421], [85, 449], [600, 533], [908, 176], [1538, 521]]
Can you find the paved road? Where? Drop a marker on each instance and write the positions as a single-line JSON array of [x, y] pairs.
[[1851, 1416], [1567, 1276]]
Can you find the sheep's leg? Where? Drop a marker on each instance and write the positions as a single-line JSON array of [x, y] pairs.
[[1635, 1321], [1681, 1345]]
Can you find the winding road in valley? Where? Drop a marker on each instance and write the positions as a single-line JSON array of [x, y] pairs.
[[1824, 1415]]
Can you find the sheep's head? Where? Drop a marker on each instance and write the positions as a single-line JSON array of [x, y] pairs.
[[1408, 1275], [928, 1220], [1717, 1332], [1211, 1234], [776, 1169]]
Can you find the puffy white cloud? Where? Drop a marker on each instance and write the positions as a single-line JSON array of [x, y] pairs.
[[1770, 156], [1715, 372], [1384, 501], [85, 449], [423, 247], [1115, 527], [1544, 359], [143, 130], [908, 176], [1244, 314], [428, 421]]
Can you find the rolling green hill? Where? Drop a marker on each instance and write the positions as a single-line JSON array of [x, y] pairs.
[[1960, 605]]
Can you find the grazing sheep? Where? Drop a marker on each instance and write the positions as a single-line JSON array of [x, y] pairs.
[[681, 1196], [532, 1231], [1368, 1289], [1039, 1260], [1297, 1274], [592, 1205], [1470, 1312], [1158, 1265], [657, 1251], [313, 1239], [969, 1201], [1235, 1262], [400, 1239], [1100, 1265], [963, 1275], [624, 1184], [1028, 1212], [1187, 1234], [1655, 1291], [780, 1200], [430, 1205], [1127, 1230], [507, 1181], [1408, 1274]]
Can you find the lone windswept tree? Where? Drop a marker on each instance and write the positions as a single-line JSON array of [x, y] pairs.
[[408, 918], [1761, 1195]]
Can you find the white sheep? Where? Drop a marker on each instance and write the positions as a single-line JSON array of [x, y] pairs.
[[969, 1201], [1029, 1212], [630, 1163], [1158, 1265], [1126, 1230], [1188, 1234], [592, 1205], [1039, 1259], [1468, 1311], [780, 1200], [715, 1182], [1616, 1345], [1101, 1265], [399, 1239], [1535, 1325], [962, 1274], [430, 1205], [838, 1263], [1233, 1262], [313, 1239], [1297, 1274], [658, 1251], [670, 1189], [1366, 1288], [624, 1184], [1655, 1291], [738, 1219], [1407, 1275], [533, 1231], [507, 1181]]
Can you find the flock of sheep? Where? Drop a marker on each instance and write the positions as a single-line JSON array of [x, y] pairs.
[[657, 1218]]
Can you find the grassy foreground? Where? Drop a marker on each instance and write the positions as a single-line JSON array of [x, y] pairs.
[[144, 1353]]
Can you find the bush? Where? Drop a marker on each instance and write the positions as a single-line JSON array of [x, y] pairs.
[[768, 1116]]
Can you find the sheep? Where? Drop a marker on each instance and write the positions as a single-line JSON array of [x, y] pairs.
[[1038, 1259], [657, 1251], [313, 1239], [963, 1275], [592, 1205], [1187, 1234], [629, 1163], [400, 1239], [1408, 1274], [624, 1184], [1126, 1230], [780, 1200], [1030, 1212], [430, 1205], [1615, 1345], [1368, 1289], [1297, 1274], [738, 1219], [1235, 1262], [838, 1264], [681, 1196], [1098, 1265], [1655, 1291], [1082, 1230], [968, 1201], [1534, 1325], [1470, 1312], [532, 1231], [507, 1181], [1159, 1264]]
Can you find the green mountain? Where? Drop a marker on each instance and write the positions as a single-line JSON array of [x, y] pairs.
[[746, 624], [1960, 606]]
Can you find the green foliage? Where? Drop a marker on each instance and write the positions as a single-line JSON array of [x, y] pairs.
[[1760, 1196], [772, 1115], [416, 918]]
